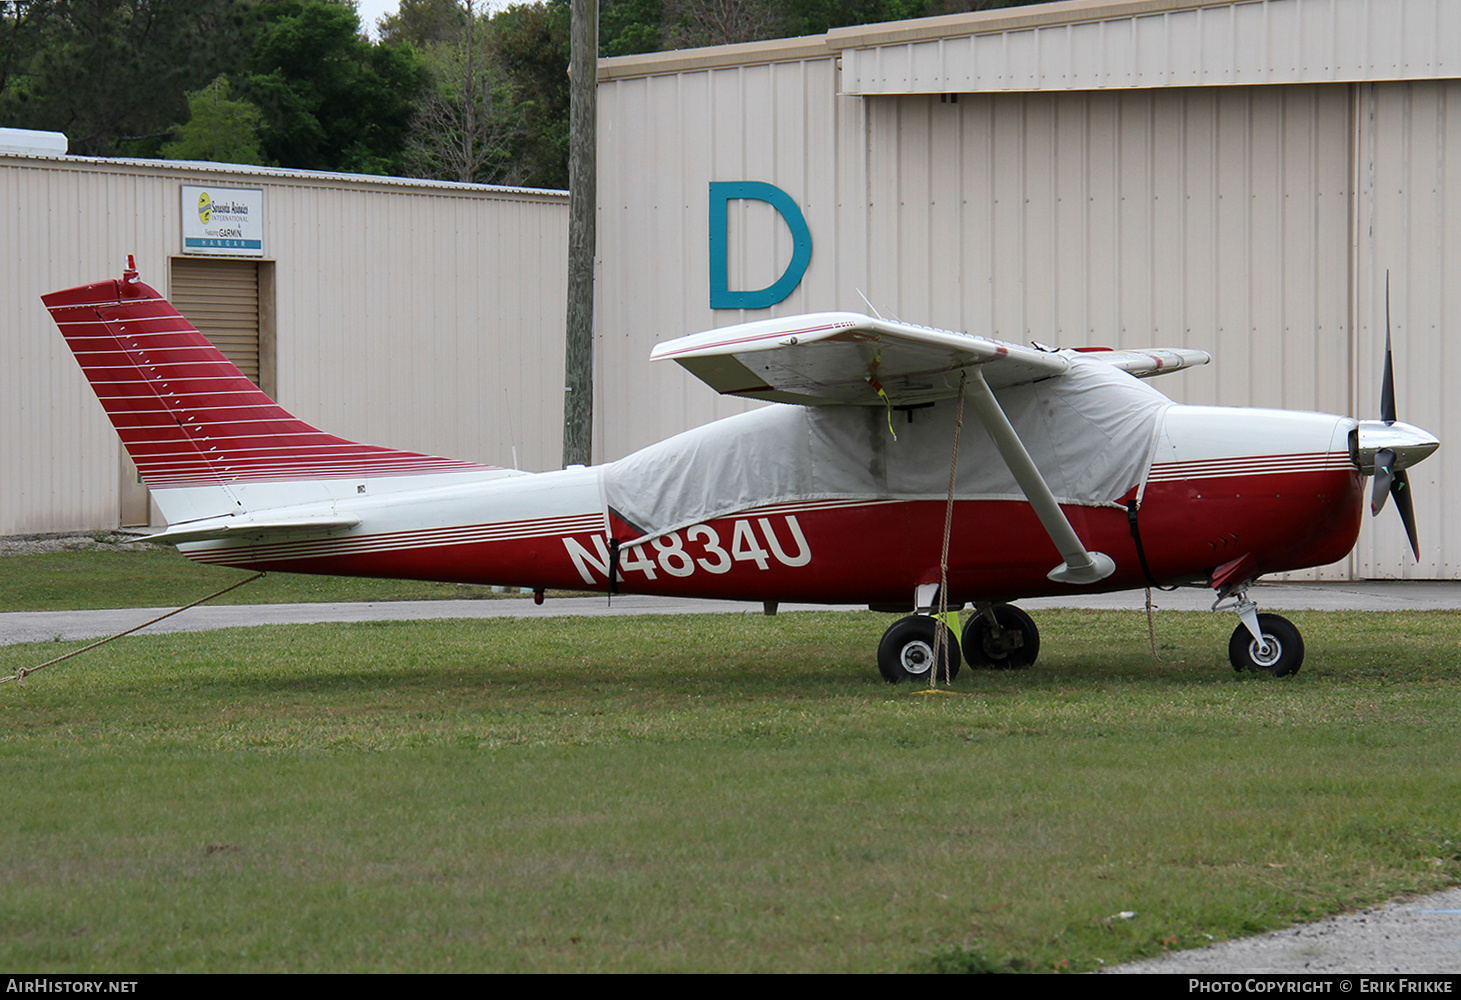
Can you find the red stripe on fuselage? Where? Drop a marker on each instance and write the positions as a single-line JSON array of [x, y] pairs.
[[857, 552]]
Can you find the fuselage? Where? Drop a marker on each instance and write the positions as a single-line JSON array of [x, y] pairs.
[[834, 502], [1221, 483]]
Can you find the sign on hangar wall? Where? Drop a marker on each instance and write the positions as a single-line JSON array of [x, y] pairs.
[[223, 221]]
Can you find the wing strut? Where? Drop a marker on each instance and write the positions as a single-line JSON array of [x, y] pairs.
[[1080, 566]]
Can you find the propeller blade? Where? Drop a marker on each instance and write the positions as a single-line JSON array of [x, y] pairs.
[[1414, 443], [1400, 490], [1387, 383], [1384, 476]]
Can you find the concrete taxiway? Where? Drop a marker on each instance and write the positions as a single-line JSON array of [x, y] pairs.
[[1418, 937], [44, 626]]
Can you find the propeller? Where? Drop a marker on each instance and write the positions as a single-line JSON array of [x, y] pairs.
[[1385, 448], [1387, 477]]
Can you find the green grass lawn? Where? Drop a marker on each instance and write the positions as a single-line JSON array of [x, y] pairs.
[[711, 793]]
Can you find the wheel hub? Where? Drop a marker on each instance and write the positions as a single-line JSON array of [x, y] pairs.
[[917, 657], [999, 643], [1265, 653]]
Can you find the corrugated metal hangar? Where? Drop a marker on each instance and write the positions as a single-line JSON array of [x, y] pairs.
[[413, 314], [1230, 175]]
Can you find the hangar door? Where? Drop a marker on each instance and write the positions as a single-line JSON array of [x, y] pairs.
[[1213, 217], [225, 300], [1216, 218], [231, 303]]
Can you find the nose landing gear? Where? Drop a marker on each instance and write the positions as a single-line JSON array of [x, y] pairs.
[[1265, 643]]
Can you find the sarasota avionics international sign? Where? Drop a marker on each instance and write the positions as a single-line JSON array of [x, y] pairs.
[[223, 221]]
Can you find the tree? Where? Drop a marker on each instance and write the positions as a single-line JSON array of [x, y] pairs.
[[423, 23], [331, 100], [935, 8], [466, 122], [112, 74], [117, 75], [20, 22], [693, 23], [630, 26], [529, 42], [217, 129], [813, 17]]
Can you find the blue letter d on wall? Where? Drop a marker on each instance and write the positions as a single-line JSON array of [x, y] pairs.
[[721, 297]]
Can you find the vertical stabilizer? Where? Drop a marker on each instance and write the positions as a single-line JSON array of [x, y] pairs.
[[190, 419]]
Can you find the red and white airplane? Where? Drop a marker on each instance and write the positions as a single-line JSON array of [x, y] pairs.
[[1074, 476]]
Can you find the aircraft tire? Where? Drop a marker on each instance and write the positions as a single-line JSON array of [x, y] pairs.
[[982, 650], [1283, 660], [906, 650]]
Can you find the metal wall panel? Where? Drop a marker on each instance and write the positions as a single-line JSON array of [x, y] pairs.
[[1123, 45], [662, 140], [413, 315], [1206, 218], [1216, 219], [1212, 219], [1409, 223], [430, 323], [1254, 222], [59, 465]]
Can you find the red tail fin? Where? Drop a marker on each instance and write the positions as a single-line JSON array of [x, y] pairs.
[[186, 415]]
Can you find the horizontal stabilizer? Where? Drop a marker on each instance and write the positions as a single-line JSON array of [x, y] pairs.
[[245, 527]]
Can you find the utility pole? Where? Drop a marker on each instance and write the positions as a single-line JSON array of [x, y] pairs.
[[578, 360]]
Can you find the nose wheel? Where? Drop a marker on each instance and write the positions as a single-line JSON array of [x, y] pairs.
[[1268, 644], [1278, 649]]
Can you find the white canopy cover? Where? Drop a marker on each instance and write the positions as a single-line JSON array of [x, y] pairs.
[[1090, 431]]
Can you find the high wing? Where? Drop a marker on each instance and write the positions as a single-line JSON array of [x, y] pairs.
[[839, 357], [849, 358], [1145, 364]]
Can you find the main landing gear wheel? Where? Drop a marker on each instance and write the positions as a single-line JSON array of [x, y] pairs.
[[1011, 646], [906, 650], [1285, 652]]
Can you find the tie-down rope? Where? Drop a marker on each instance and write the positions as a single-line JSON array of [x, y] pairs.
[[20, 675]]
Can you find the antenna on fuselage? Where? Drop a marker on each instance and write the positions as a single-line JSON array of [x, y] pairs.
[[869, 304], [511, 434]]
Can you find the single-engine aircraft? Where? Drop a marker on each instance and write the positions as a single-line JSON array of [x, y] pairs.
[[860, 488]]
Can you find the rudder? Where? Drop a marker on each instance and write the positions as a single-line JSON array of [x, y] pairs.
[[187, 416]]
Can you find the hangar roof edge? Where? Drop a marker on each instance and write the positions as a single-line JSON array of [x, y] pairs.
[[714, 57], [242, 172], [1006, 19], [898, 32], [1112, 44]]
